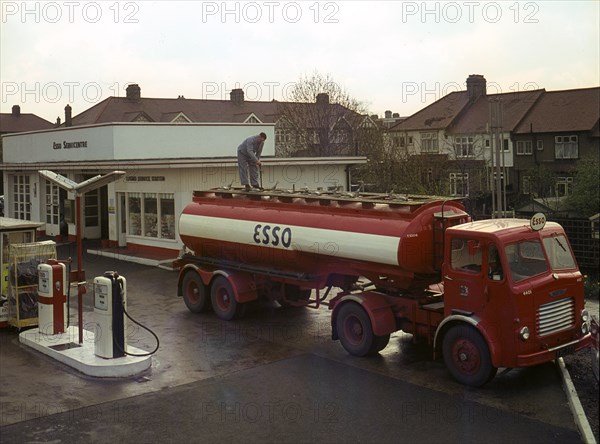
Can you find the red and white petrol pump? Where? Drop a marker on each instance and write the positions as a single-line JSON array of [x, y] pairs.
[[110, 304], [52, 297]]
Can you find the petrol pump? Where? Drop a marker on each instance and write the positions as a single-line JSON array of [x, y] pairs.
[[52, 297], [110, 304]]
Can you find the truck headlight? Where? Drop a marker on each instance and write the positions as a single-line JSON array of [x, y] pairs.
[[585, 316], [524, 333], [585, 328]]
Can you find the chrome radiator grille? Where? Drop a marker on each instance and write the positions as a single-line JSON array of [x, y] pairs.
[[555, 316]]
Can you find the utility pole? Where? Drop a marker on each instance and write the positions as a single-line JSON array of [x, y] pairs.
[[498, 192]]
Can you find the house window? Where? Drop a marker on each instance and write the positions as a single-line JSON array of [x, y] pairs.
[[410, 140], [524, 147], [566, 147], [282, 136], [398, 141], [459, 184], [564, 186], [505, 145], [21, 198], [526, 187], [429, 143], [464, 146], [540, 145]]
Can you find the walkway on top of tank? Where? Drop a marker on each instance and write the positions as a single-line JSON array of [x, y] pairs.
[[326, 196]]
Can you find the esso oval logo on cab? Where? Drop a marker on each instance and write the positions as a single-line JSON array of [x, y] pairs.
[[538, 221]]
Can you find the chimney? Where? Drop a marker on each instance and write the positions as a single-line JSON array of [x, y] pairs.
[[322, 99], [16, 110], [374, 116], [57, 122], [388, 114], [476, 86], [237, 96], [396, 115], [68, 121], [134, 92]]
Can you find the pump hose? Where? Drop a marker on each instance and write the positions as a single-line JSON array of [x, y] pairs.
[[141, 325], [145, 328]]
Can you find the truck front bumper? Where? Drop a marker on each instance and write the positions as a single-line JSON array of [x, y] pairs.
[[555, 352]]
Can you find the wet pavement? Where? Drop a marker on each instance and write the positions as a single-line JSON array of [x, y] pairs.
[[274, 376]]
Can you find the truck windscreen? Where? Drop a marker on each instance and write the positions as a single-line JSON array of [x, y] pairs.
[[526, 259], [559, 253]]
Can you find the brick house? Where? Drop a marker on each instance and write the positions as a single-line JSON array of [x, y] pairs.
[[559, 129], [465, 138]]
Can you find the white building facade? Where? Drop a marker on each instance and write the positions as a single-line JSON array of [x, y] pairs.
[[164, 163]]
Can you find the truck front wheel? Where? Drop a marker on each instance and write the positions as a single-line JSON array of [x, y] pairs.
[[223, 300], [356, 333], [467, 356], [195, 294]]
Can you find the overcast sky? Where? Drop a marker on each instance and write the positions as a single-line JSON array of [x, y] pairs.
[[393, 55]]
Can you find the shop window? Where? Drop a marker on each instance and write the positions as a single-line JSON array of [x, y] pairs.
[[167, 216], [150, 215], [135, 214]]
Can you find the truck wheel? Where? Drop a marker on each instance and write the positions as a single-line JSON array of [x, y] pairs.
[[223, 300], [467, 356], [195, 294], [356, 333]]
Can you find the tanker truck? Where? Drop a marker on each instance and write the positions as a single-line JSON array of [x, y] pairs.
[[489, 294]]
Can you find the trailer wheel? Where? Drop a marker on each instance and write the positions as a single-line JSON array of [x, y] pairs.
[[195, 294], [467, 356], [223, 300], [356, 333]]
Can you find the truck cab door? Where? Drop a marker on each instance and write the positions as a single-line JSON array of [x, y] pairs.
[[464, 276]]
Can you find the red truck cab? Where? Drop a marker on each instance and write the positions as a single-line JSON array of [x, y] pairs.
[[513, 297]]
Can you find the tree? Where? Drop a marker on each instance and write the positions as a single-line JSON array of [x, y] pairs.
[[585, 198], [319, 118]]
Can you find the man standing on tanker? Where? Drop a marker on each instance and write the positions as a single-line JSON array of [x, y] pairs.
[[248, 154]]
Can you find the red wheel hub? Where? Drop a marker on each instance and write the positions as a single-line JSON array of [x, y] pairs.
[[353, 329], [223, 299], [466, 356]]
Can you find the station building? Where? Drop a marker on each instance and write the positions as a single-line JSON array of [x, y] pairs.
[[164, 163]]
